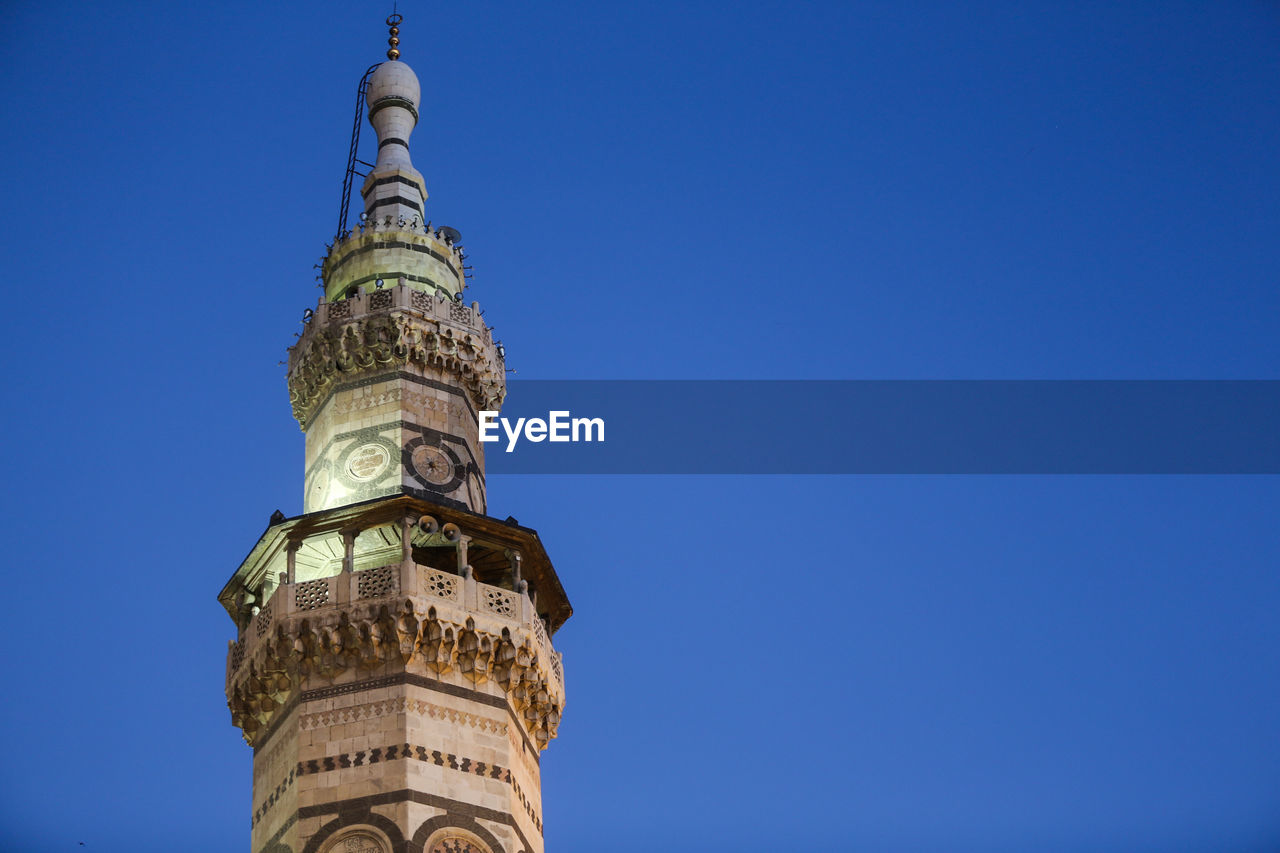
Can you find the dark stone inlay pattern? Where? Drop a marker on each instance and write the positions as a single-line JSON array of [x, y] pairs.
[[391, 244], [392, 276], [279, 833], [362, 805], [453, 820], [399, 751], [435, 497], [394, 199], [393, 101], [355, 816], [379, 487], [273, 798], [393, 179]]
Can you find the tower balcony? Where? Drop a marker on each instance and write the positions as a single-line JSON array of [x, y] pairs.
[[395, 589], [390, 250]]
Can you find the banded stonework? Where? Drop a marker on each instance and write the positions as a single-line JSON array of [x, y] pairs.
[[386, 249]]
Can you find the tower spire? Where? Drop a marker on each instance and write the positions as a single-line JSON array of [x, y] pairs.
[[393, 189], [393, 21]]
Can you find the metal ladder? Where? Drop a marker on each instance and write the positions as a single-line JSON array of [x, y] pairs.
[[349, 178]]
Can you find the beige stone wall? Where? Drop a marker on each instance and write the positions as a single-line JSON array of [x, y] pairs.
[[459, 751], [275, 792], [404, 431], [409, 751]]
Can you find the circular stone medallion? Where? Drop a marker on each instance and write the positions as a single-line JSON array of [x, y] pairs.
[[319, 488], [360, 842], [368, 461], [432, 464]]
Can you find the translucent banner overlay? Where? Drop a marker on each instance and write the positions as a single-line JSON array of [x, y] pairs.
[[893, 427]]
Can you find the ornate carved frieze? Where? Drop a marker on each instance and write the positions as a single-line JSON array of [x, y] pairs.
[[345, 343], [314, 650], [401, 705]]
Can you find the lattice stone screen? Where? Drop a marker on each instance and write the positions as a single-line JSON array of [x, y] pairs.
[[311, 594], [544, 643], [263, 623], [376, 583], [500, 601], [440, 584], [421, 301]]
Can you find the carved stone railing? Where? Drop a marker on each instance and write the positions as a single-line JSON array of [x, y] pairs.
[[394, 295], [544, 643]]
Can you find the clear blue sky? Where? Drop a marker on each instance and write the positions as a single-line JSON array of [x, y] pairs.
[[734, 190]]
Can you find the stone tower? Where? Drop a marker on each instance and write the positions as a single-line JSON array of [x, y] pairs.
[[392, 667]]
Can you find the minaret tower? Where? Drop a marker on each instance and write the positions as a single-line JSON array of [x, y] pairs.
[[392, 667]]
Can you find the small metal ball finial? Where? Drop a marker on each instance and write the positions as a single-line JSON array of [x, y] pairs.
[[394, 23]]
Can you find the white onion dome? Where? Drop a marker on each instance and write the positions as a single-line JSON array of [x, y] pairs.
[[393, 96], [393, 81]]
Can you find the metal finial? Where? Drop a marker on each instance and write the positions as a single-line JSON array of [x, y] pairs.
[[393, 21]]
